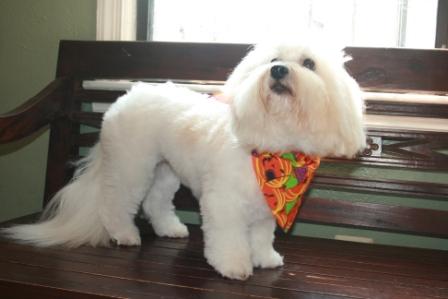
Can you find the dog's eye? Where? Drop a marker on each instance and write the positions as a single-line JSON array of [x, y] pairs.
[[309, 64], [274, 60]]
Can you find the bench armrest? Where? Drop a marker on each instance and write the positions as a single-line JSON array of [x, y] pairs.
[[35, 113]]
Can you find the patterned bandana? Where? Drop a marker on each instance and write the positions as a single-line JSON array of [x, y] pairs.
[[283, 179]]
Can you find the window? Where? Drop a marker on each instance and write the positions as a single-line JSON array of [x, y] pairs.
[[371, 23]]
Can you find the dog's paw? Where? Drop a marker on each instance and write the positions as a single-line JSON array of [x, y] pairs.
[[172, 230], [126, 238], [235, 267], [235, 270], [271, 259], [170, 227]]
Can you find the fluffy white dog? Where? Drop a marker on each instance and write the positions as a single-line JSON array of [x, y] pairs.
[[287, 97]]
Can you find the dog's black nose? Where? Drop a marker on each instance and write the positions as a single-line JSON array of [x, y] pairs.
[[279, 72]]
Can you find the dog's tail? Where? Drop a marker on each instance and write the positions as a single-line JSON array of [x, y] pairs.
[[71, 218]]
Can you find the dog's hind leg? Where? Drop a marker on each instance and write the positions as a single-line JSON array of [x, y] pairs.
[[125, 182], [158, 204]]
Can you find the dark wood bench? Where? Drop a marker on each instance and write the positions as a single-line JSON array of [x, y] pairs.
[[406, 133]]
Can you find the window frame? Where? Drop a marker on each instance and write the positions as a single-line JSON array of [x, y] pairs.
[[442, 24], [116, 19], [145, 18]]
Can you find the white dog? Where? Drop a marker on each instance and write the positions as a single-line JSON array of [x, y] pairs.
[[288, 97]]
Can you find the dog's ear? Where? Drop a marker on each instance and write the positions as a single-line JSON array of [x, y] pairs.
[[352, 130]]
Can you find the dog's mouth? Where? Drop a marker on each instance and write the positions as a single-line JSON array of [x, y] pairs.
[[280, 88]]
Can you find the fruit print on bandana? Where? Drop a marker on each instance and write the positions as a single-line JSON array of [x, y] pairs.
[[283, 179]]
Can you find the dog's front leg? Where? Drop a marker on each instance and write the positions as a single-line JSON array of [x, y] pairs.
[[261, 242], [226, 236]]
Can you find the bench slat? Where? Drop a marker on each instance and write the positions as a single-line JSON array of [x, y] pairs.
[[92, 119], [421, 190], [407, 109], [394, 68], [372, 106], [177, 267], [142, 60], [99, 96], [382, 217], [423, 157], [87, 139], [375, 216], [153, 273], [379, 68]]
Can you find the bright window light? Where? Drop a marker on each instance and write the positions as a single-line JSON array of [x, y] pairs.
[[370, 23]]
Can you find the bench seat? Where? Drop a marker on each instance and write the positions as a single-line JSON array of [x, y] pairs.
[[176, 268]]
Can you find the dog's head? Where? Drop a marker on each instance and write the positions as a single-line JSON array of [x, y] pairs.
[[296, 97]]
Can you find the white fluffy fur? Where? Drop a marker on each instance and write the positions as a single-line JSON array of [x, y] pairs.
[[154, 138]]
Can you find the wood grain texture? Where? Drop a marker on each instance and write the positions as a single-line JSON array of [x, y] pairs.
[[176, 268], [406, 109], [356, 214], [37, 112], [390, 218], [399, 69], [372, 106], [374, 68], [407, 149], [165, 268], [422, 190], [62, 149]]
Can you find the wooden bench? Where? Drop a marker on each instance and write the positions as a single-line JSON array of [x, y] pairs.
[[407, 132]]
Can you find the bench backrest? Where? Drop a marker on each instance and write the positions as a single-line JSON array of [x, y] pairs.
[[407, 132]]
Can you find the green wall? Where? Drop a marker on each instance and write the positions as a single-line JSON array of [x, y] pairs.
[[29, 35]]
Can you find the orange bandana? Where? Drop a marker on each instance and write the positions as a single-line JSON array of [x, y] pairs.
[[283, 179]]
